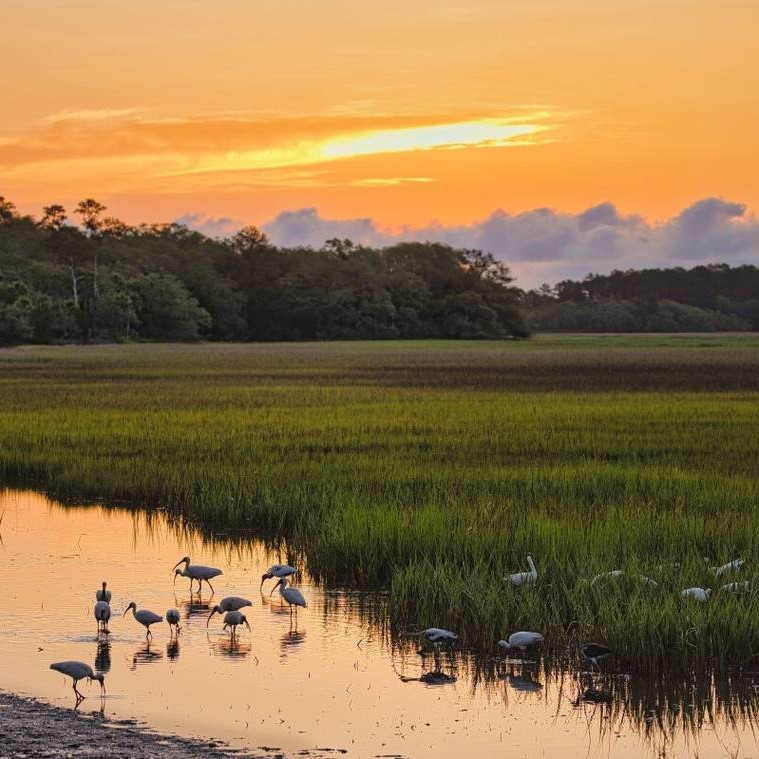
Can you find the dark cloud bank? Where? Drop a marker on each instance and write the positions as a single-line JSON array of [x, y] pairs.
[[545, 245]]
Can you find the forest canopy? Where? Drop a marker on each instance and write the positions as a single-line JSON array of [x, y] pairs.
[[93, 277]]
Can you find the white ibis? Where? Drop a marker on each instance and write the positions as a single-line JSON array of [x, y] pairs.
[[737, 587], [230, 603], [617, 573], [731, 566], [279, 571], [697, 594], [78, 670], [524, 578], [521, 640], [144, 617], [234, 618], [103, 594], [172, 617], [102, 615], [437, 635], [291, 596], [196, 572]]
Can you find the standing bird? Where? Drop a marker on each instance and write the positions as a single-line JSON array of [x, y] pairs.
[[437, 635], [737, 587], [102, 615], [524, 578], [697, 594], [521, 640], [196, 572], [291, 596], [78, 670], [593, 652], [234, 618], [279, 571], [731, 566], [144, 617], [230, 603], [103, 594], [172, 617]]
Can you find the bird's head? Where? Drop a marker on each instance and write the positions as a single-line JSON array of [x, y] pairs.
[[132, 606], [178, 573], [244, 620], [281, 583], [216, 610], [184, 560], [104, 584], [265, 576]]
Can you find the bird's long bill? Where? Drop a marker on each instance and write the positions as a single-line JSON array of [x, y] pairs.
[[175, 578], [125, 611], [247, 625], [181, 561], [264, 578], [208, 621], [276, 585]]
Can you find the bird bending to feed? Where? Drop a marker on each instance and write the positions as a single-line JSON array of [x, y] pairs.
[[172, 617], [697, 594], [731, 566], [196, 572], [144, 617], [593, 652], [524, 578], [230, 603], [437, 635], [103, 594], [291, 596], [737, 587], [617, 573], [78, 670], [521, 640], [279, 571], [102, 615], [234, 618]]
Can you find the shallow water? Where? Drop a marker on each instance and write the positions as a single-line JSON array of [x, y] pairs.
[[333, 680]]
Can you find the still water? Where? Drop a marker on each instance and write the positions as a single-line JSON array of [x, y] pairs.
[[333, 680]]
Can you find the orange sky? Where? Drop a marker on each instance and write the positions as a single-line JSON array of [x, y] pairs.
[[402, 111]]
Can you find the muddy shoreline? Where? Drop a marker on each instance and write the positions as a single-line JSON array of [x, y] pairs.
[[30, 728]]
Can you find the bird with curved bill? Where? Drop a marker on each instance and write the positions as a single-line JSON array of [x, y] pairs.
[[196, 572], [592, 652], [279, 571], [144, 617], [172, 617], [103, 594], [291, 596], [230, 603], [102, 614], [78, 670]]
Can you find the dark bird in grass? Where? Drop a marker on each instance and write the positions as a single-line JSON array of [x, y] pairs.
[[593, 652]]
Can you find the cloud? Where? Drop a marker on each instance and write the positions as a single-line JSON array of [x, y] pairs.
[[546, 245], [211, 226], [92, 114]]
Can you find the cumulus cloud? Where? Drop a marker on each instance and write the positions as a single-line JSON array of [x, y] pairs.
[[545, 245], [211, 226]]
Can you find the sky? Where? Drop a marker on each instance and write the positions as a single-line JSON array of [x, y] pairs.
[[505, 123]]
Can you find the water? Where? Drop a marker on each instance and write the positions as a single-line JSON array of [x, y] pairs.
[[333, 680]]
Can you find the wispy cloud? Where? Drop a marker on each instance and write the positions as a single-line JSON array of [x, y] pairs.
[[92, 114]]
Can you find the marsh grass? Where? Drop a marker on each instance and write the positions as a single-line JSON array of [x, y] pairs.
[[432, 469]]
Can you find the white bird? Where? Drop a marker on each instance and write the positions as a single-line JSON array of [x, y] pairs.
[[234, 618], [697, 594], [291, 596], [230, 603], [731, 566], [437, 635], [144, 617], [521, 640], [196, 572], [617, 573], [524, 578], [279, 571], [103, 594], [78, 670], [737, 587], [172, 617], [102, 615]]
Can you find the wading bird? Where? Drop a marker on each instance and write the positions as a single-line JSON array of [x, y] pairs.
[[102, 615], [617, 573], [697, 594], [521, 640], [731, 566], [103, 594], [144, 617], [172, 617], [524, 578], [737, 587], [291, 596], [279, 571], [593, 652], [234, 618], [230, 603], [196, 572], [436, 635], [78, 670]]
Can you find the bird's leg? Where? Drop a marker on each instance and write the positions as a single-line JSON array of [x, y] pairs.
[[210, 586]]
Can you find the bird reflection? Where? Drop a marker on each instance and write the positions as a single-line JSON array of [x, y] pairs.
[[172, 649], [145, 655], [231, 648], [195, 606], [103, 656], [293, 638], [433, 677]]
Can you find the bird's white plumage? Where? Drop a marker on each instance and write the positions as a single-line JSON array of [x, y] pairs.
[[172, 616], [233, 603], [102, 612], [731, 566], [737, 587], [696, 594], [438, 635], [521, 639], [291, 596], [281, 570], [618, 573], [77, 670], [524, 578], [144, 616]]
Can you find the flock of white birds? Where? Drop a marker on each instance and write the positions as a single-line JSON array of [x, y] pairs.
[[229, 607]]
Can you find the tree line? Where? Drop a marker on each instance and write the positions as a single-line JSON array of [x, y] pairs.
[[710, 298], [91, 277]]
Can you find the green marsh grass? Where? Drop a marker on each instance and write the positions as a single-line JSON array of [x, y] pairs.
[[432, 469]]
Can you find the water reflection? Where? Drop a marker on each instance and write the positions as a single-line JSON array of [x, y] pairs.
[[231, 648], [146, 654], [103, 657], [194, 606], [172, 648]]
